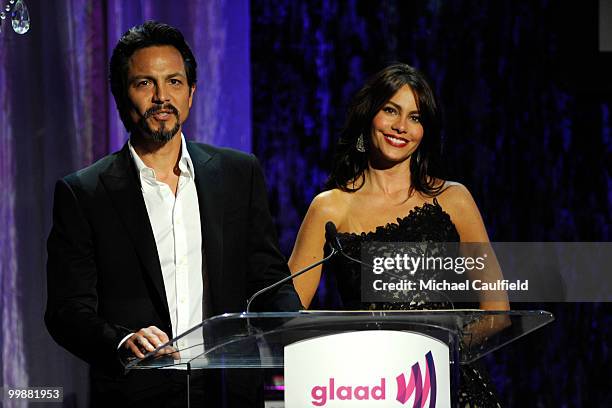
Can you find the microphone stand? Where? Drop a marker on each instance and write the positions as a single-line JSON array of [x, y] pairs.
[[280, 282], [288, 278]]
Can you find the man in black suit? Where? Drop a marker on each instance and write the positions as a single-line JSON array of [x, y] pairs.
[[158, 236]]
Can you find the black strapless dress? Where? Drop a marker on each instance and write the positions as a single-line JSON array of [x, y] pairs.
[[428, 223]]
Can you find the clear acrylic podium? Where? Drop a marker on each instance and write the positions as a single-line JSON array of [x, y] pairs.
[[258, 340]]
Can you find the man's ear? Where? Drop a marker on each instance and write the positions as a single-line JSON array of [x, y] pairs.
[[191, 92]]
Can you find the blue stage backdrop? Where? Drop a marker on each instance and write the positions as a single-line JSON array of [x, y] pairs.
[[57, 115], [527, 102]]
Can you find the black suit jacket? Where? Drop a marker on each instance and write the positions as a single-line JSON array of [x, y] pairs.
[[104, 275]]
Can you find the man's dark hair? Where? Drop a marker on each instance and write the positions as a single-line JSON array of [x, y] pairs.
[[151, 33]]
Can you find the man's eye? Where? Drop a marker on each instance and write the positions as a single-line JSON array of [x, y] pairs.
[[142, 83], [175, 81]]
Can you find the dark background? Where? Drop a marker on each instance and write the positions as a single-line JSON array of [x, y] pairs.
[[527, 98], [527, 101]]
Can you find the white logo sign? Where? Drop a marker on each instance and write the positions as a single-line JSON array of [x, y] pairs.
[[368, 369]]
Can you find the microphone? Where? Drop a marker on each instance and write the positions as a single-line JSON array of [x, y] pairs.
[[330, 231], [331, 236]]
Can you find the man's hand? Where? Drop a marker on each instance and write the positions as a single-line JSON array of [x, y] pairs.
[[146, 340]]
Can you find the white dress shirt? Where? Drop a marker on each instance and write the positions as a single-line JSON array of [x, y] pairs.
[[175, 221]]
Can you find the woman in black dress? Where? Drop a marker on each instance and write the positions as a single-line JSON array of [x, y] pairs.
[[384, 187]]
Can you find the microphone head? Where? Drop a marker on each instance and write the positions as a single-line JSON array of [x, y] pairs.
[[331, 236], [330, 231]]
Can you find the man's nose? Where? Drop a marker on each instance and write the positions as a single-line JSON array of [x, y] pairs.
[[161, 94]]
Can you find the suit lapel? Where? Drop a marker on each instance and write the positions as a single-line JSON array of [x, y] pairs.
[[209, 182], [123, 187]]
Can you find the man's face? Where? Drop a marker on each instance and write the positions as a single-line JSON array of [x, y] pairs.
[[158, 92]]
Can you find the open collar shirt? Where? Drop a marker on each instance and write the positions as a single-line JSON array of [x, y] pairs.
[[175, 221]]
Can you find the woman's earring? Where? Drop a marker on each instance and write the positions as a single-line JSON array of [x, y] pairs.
[[360, 145]]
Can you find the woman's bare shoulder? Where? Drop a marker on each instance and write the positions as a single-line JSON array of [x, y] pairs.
[[331, 204], [458, 202], [454, 196]]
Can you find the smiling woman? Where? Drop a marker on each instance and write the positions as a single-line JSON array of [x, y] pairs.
[[385, 187], [396, 130], [398, 103]]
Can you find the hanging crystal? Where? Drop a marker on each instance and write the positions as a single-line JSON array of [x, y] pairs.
[[20, 17], [7, 7], [2, 17], [11, 2]]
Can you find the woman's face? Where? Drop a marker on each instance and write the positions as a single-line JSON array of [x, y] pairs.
[[396, 128]]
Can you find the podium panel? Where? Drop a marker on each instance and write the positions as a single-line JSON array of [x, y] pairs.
[[268, 340], [257, 340], [374, 368]]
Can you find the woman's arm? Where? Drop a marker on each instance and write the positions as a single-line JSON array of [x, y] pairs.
[[309, 244], [459, 204]]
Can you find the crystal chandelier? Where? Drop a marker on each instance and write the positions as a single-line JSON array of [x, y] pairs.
[[17, 12]]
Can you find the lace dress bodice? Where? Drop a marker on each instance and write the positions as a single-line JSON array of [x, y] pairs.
[[427, 223]]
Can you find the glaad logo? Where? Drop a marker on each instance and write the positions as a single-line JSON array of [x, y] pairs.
[[321, 394], [420, 389]]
